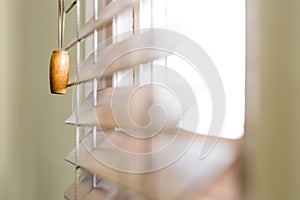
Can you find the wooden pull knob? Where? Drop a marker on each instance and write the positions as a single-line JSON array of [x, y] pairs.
[[59, 71]]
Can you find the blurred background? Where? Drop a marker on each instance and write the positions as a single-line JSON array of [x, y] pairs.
[[34, 138]]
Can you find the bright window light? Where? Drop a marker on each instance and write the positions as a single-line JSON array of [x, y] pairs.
[[218, 26]]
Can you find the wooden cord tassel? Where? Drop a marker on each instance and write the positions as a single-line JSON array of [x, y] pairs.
[[60, 62], [59, 71]]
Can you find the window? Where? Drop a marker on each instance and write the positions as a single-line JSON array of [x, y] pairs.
[[218, 26]]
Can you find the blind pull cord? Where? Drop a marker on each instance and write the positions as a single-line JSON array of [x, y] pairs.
[[59, 62]]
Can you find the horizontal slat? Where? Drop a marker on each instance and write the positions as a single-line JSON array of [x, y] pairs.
[[86, 111], [103, 190], [118, 56], [138, 107], [105, 16], [187, 172], [84, 193]]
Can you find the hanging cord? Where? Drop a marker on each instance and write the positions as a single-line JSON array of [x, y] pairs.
[[133, 20], [63, 17], [60, 61], [61, 23], [77, 139], [95, 86], [151, 26], [133, 28], [166, 58]]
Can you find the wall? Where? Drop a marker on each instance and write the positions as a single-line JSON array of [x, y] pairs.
[[273, 96], [33, 137]]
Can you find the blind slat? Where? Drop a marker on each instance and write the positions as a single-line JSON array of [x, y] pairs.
[[85, 191], [86, 111], [103, 190], [140, 48], [176, 178], [105, 17], [136, 104]]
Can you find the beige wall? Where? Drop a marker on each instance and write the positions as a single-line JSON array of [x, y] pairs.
[[273, 100], [33, 137]]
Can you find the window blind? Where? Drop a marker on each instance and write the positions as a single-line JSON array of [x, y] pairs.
[[101, 145]]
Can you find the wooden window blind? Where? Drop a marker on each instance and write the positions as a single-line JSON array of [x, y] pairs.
[[109, 162]]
